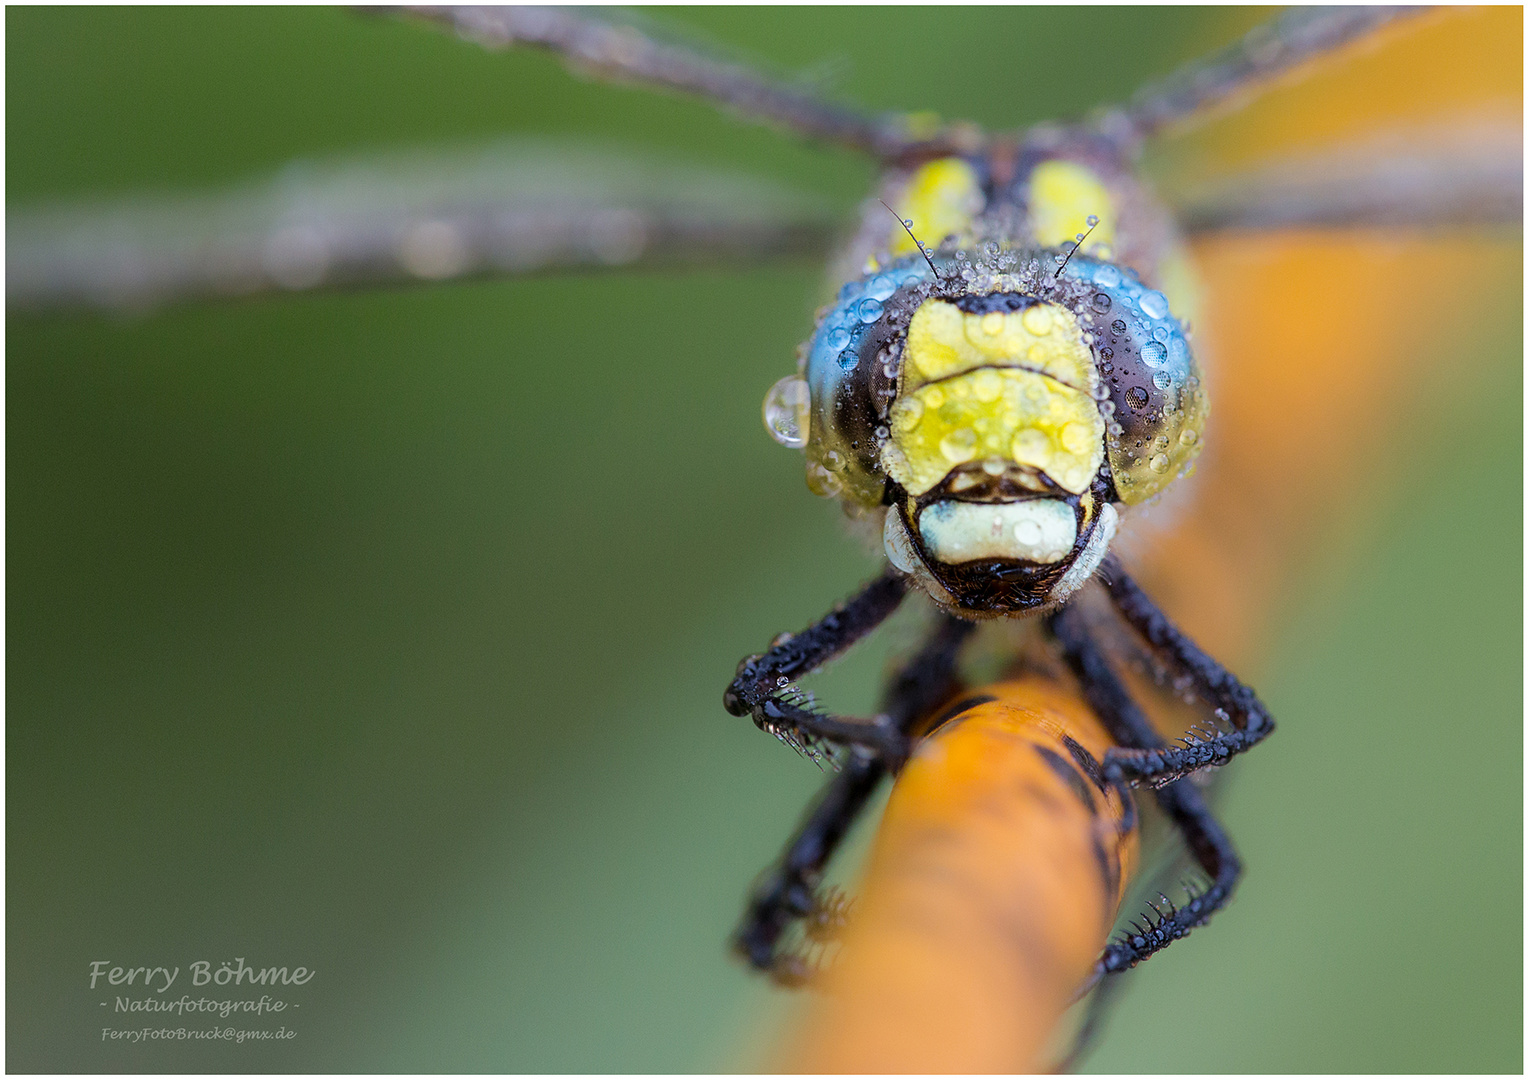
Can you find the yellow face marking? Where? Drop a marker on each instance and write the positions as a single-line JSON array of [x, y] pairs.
[[943, 341], [1063, 196], [942, 199], [1010, 386], [1002, 413]]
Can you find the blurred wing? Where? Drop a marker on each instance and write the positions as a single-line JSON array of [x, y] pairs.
[[1285, 45], [1338, 343], [626, 46], [509, 208], [1457, 175], [1420, 123]]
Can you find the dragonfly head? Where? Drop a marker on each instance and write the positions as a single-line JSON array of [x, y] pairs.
[[1000, 408]]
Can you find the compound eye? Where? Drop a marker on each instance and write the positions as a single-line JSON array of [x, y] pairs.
[[848, 389], [1150, 373]]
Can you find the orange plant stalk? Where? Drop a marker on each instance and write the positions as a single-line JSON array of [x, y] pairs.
[[983, 906], [997, 872]]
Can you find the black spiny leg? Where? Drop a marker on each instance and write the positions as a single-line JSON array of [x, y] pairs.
[[1157, 763], [785, 893], [1184, 805], [764, 687]]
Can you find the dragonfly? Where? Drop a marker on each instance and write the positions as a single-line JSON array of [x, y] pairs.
[[310, 236]]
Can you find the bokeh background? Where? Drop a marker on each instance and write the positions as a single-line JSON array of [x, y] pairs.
[[384, 633]]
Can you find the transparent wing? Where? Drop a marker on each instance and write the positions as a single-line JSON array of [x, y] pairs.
[[509, 208], [1225, 78], [1470, 175], [621, 46], [1420, 125]]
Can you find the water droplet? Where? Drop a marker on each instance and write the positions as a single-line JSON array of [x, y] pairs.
[[1137, 398], [1162, 380], [1101, 301], [1189, 436], [786, 411], [960, 445], [837, 339], [848, 359], [987, 385], [1107, 354], [908, 222], [1160, 443], [1077, 438], [834, 461], [869, 309], [934, 397], [822, 482], [1154, 353], [1107, 276], [1158, 463], [909, 412], [1031, 444], [1154, 304], [1119, 326], [1028, 532], [994, 466], [1091, 220], [1037, 319], [992, 323], [1160, 333], [880, 287]]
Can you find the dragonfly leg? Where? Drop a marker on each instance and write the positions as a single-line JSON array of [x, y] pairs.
[[765, 687], [1180, 800], [786, 892], [1158, 763]]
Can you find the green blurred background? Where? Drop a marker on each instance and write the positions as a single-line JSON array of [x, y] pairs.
[[385, 633]]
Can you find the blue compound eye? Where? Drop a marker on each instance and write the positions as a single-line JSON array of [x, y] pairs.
[[851, 373], [1156, 401]]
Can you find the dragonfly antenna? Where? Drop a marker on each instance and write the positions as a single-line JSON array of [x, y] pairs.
[[1093, 223], [908, 228]]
